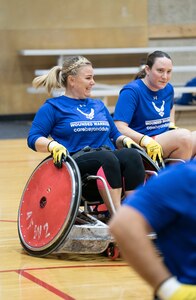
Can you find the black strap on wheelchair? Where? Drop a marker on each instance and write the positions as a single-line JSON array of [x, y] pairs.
[[88, 149]]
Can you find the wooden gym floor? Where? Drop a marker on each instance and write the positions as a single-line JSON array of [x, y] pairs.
[[65, 276]]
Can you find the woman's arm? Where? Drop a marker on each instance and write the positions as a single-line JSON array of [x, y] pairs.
[[41, 144], [127, 131], [131, 230], [172, 115], [41, 128]]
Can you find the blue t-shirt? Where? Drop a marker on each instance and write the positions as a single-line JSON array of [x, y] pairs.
[[74, 123], [168, 203], [145, 111]]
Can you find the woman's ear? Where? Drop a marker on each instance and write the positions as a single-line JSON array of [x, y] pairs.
[[147, 69], [71, 80]]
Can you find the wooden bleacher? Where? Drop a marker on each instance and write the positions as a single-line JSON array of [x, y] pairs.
[[105, 91], [124, 71], [103, 51]]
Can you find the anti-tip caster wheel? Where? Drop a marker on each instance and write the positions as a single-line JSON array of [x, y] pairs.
[[113, 251]]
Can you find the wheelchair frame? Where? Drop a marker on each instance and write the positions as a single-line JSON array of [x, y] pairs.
[[50, 219]]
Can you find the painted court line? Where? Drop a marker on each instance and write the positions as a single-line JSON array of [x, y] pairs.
[[66, 267], [49, 287], [44, 285]]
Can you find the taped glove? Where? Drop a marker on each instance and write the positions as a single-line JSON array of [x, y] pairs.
[[153, 149], [129, 143], [172, 126], [58, 152], [172, 289]]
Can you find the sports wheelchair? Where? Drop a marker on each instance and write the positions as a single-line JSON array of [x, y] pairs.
[[55, 218]]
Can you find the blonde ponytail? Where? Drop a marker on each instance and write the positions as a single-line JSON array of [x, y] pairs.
[[50, 81]]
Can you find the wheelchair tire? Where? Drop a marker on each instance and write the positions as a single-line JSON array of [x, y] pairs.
[[149, 164], [49, 206]]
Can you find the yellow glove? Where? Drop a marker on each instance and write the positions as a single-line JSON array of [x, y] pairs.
[[153, 149], [58, 152], [172, 126], [129, 143], [172, 289]]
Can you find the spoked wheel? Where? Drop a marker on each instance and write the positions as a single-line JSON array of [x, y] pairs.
[[49, 206]]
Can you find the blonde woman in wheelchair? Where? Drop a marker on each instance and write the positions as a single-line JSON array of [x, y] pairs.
[[75, 124]]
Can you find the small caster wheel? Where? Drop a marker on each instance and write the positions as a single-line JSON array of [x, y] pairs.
[[113, 252]]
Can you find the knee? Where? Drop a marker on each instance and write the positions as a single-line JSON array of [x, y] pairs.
[[131, 157], [110, 161], [110, 170], [133, 169], [184, 138]]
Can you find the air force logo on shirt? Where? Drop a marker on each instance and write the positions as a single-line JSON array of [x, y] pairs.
[[161, 109], [88, 116], [89, 125]]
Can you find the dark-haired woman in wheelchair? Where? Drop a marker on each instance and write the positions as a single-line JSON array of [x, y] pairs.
[[77, 125], [145, 112]]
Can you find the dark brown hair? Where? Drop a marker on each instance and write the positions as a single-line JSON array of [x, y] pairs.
[[150, 62]]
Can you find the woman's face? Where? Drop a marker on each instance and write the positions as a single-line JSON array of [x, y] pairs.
[[82, 83], [160, 74]]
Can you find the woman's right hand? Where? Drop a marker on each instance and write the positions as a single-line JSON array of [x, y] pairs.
[[172, 289], [58, 151], [129, 143]]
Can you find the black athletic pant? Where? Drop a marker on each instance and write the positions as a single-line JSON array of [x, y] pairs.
[[122, 168]]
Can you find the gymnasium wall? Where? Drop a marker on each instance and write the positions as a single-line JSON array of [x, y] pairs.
[[173, 23], [62, 24], [59, 24]]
